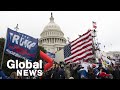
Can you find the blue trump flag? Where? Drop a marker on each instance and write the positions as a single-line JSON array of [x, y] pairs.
[[21, 45]]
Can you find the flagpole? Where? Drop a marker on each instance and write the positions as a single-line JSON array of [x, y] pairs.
[[16, 27], [94, 42], [3, 52], [2, 58], [4, 48]]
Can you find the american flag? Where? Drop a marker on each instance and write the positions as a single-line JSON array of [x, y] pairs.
[[79, 49], [94, 25]]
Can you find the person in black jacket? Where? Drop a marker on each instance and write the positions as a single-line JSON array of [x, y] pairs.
[[91, 74], [55, 72], [116, 73], [61, 72]]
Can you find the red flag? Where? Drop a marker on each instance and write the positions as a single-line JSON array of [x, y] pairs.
[[47, 59], [94, 25]]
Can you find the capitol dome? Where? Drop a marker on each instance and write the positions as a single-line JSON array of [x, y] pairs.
[[52, 38], [52, 29]]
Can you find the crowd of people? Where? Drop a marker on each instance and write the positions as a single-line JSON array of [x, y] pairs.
[[77, 71]]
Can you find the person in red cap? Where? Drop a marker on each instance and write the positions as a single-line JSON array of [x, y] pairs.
[[103, 75]]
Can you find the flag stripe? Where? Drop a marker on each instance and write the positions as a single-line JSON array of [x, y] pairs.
[[79, 49], [83, 36], [79, 54], [86, 57], [81, 57], [82, 40], [80, 46]]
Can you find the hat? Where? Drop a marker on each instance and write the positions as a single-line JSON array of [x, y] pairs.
[[103, 74], [93, 65]]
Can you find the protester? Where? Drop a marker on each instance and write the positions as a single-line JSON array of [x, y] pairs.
[[73, 71], [61, 72], [103, 75], [14, 75], [116, 73], [82, 73], [55, 72], [91, 74], [67, 72], [3, 76], [95, 71]]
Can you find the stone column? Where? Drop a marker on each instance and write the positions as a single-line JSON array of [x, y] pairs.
[[45, 40], [56, 40], [60, 40], [48, 40], [52, 40]]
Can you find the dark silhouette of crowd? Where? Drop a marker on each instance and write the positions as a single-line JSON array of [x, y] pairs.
[[77, 71]]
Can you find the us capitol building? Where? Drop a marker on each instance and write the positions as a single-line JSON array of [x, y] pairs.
[[52, 38]]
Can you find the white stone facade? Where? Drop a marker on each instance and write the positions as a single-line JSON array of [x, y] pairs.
[[52, 38]]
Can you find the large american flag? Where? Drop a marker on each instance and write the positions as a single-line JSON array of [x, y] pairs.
[[79, 49]]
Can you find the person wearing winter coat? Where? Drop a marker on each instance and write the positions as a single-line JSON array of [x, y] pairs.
[[67, 72], [95, 71], [55, 72], [82, 73], [91, 74], [3, 76], [61, 72], [116, 73], [76, 68], [103, 75]]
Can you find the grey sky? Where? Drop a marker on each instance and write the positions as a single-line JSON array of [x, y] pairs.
[[72, 23]]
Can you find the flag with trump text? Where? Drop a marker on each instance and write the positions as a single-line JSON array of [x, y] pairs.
[[79, 49], [21, 45]]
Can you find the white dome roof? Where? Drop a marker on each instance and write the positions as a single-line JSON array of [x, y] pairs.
[[52, 27], [52, 38]]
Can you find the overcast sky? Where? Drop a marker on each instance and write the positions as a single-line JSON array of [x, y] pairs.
[[71, 23]]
